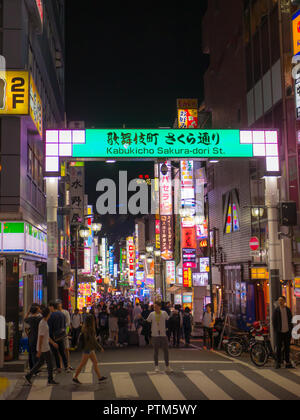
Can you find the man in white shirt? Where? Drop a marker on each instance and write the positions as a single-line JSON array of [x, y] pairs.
[[43, 350], [158, 320]]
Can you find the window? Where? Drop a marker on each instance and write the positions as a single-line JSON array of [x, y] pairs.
[[231, 212]]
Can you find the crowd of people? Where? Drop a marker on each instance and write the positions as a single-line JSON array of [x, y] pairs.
[[114, 322]]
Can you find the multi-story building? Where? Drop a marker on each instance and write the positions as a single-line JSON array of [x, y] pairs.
[[32, 43], [249, 84]]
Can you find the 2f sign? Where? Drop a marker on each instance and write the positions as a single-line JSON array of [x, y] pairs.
[[2, 328], [14, 93]]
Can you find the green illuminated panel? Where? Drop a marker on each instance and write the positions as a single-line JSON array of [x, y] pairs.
[[13, 228], [162, 143]]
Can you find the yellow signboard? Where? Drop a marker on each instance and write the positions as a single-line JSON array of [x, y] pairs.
[[14, 93], [19, 97], [296, 33], [36, 108]]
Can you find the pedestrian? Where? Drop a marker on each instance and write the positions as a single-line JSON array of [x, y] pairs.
[[113, 326], [103, 325], [43, 350], [282, 324], [146, 330], [89, 344], [137, 311], [76, 323], [123, 320], [208, 324], [158, 319], [32, 320], [174, 325], [84, 314], [187, 326], [57, 330], [68, 326]]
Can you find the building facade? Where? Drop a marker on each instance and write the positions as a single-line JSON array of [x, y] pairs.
[[32, 43], [249, 84]]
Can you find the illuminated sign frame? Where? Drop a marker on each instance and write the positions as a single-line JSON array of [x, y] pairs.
[[199, 144]]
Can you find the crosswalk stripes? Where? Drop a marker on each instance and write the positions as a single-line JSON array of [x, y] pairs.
[[88, 367], [290, 386], [176, 386], [252, 388], [40, 391], [123, 385], [207, 386], [166, 387]]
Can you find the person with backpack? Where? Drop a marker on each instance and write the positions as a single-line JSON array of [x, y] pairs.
[[32, 320], [103, 325], [88, 343], [187, 326]]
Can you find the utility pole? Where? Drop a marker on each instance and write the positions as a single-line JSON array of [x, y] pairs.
[[2, 308], [52, 206], [274, 249]]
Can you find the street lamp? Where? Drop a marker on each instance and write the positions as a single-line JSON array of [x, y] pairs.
[[149, 249], [84, 233], [96, 227]]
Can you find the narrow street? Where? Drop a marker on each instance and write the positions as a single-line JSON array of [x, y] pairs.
[[197, 375]]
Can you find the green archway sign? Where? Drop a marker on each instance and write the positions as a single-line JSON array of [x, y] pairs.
[[160, 143]]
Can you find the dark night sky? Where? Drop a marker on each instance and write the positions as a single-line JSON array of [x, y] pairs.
[[127, 64]]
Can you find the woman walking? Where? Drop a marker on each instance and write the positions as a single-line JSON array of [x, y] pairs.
[[89, 344]]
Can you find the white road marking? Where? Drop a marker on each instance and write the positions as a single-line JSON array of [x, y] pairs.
[[123, 385], [88, 366], [147, 362], [40, 391], [256, 391], [282, 382], [165, 387], [207, 386]]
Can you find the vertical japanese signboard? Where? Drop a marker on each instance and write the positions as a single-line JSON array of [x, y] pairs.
[[187, 277], [187, 183], [166, 214], [296, 33], [131, 259], [77, 193], [36, 108], [170, 272]]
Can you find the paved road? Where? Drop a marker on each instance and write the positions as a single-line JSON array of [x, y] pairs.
[[197, 375]]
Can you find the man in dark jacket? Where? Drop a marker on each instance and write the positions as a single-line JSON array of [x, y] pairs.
[[57, 331], [282, 324], [32, 319]]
